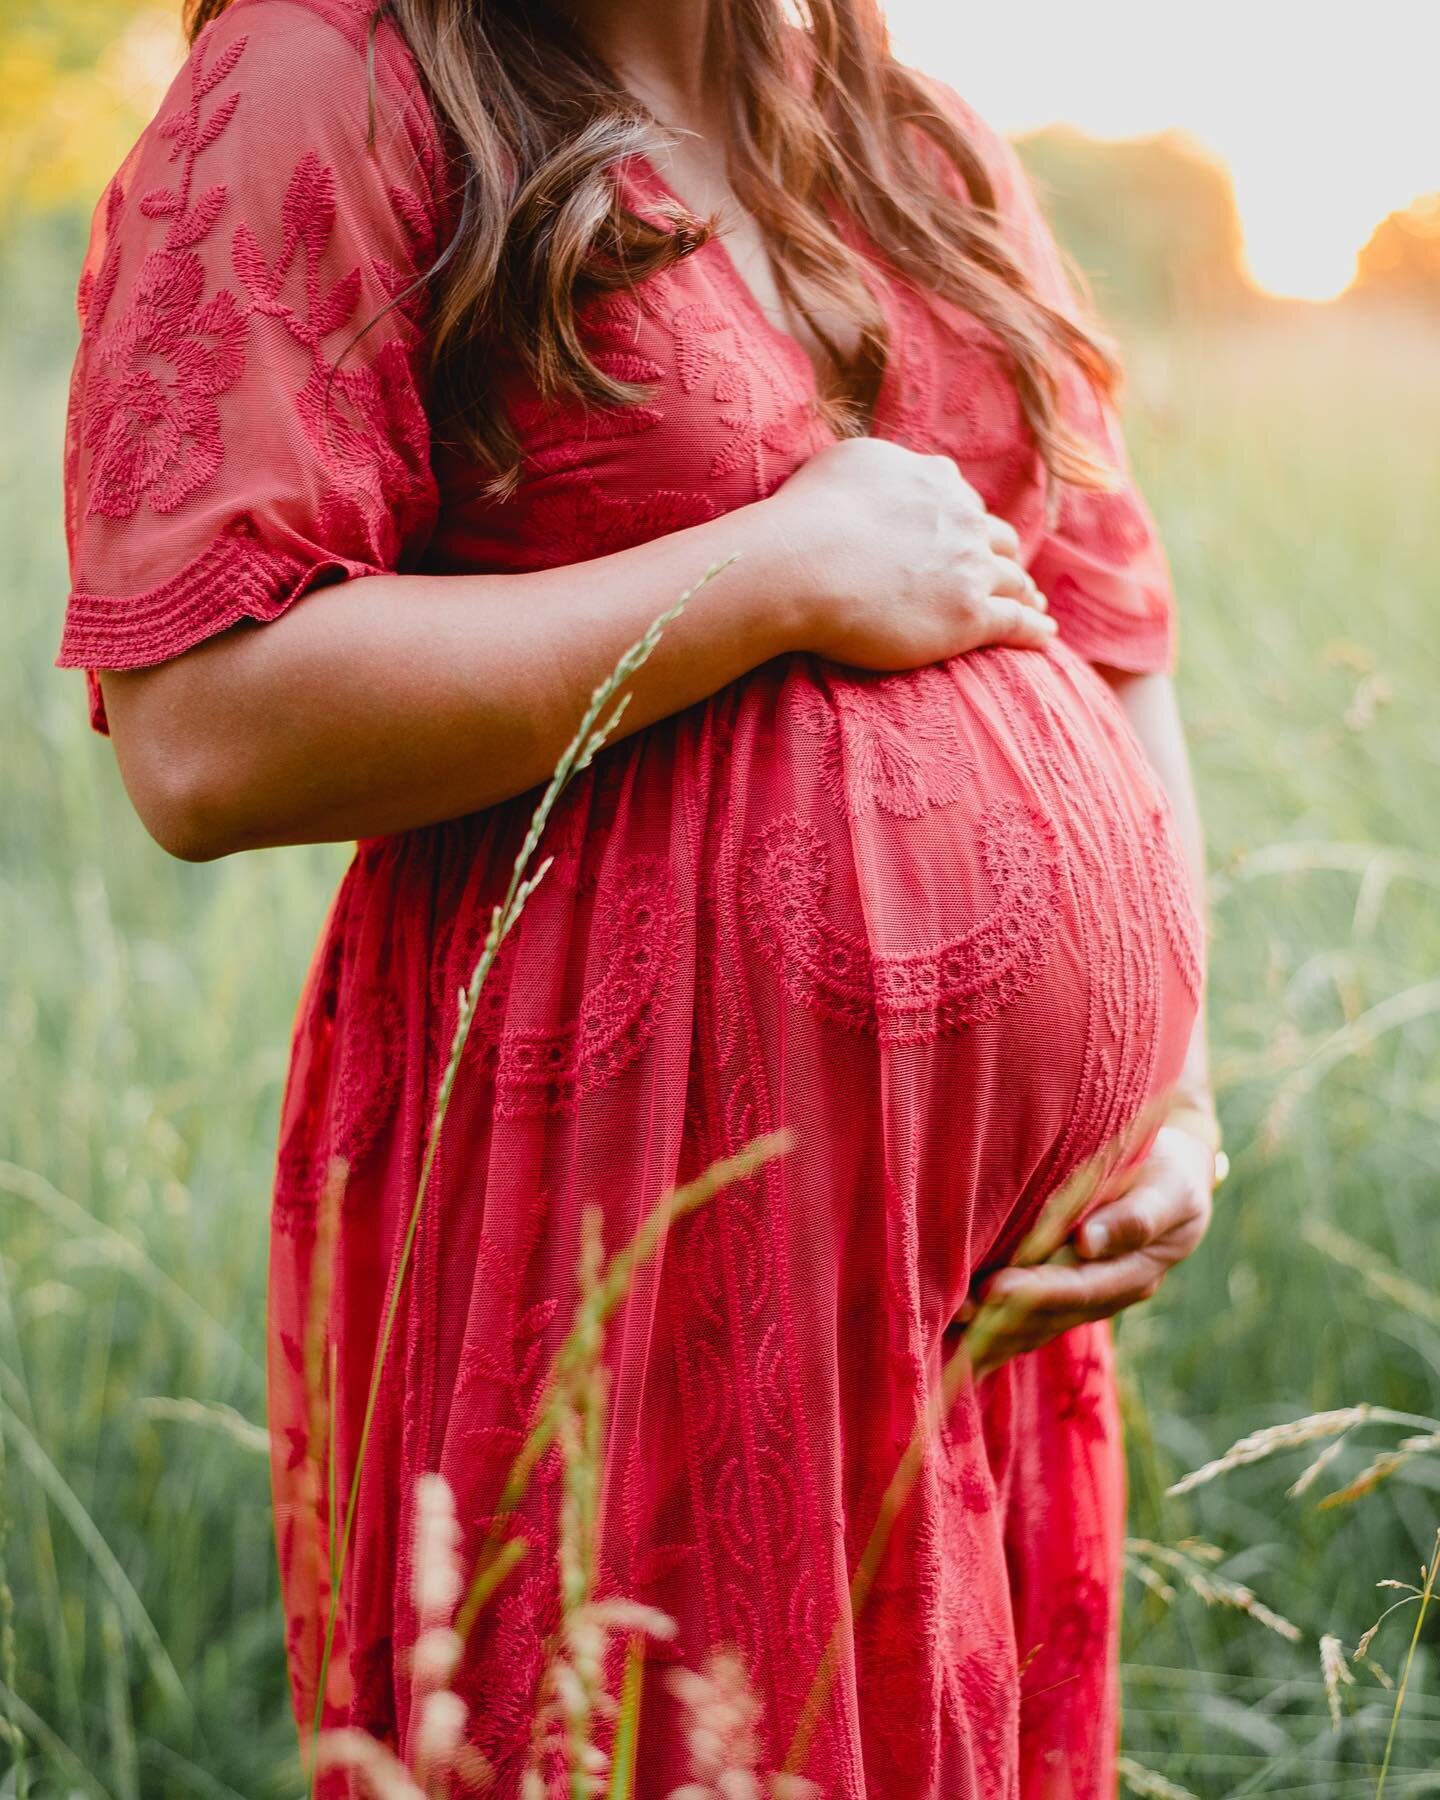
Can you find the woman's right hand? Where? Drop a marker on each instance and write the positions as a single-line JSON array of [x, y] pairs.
[[902, 564]]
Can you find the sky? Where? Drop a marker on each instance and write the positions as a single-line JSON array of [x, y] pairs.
[[1327, 112]]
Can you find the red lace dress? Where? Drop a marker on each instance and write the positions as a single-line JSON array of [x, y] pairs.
[[936, 922]]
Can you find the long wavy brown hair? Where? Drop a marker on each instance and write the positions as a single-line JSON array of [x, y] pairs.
[[540, 124]]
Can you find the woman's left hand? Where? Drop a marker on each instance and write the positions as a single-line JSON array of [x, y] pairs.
[[1154, 1218]]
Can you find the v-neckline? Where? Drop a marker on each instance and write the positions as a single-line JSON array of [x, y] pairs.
[[785, 341]]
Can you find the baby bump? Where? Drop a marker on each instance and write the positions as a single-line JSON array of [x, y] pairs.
[[965, 935], [936, 922]]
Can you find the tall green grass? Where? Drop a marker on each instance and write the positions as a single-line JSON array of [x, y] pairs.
[[146, 1006], [1295, 472]]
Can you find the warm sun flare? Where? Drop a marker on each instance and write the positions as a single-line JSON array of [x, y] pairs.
[[1325, 116]]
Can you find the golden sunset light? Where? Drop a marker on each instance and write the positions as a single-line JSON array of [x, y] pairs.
[[1325, 114], [906, 1266]]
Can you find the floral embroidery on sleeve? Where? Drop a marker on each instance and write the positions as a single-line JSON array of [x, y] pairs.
[[247, 416], [150, 419]]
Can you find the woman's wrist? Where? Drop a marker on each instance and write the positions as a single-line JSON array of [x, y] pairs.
[[786, 580], [1193, 1111]]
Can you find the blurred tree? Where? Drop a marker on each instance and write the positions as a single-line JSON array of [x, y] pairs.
[[1401, 262], [1152, 222]]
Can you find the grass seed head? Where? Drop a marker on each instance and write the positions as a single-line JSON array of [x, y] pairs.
[[436, 1657], [380, 1773], [437, 1581], [1271, 1440], [439, 1733], [1336, 1673], [1150, 1786]]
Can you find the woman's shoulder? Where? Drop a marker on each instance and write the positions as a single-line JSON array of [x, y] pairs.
[[994, 149], [290, 107], [276, 77], [296, 37]]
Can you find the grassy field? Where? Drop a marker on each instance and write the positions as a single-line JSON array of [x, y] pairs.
[[143, 1022]]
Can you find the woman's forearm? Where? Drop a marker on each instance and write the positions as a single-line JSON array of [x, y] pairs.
[[1150, 705], [395, 701]]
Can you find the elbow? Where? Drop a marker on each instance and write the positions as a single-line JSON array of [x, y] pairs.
[[183, 762], [190, 813], [189, 841], [189, 793]]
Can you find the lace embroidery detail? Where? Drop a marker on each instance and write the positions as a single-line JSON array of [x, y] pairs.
[[646, 1559], [749, 1451], [754, 440], [982, 425], [1112, 522], [234, 577], [775, 1434], [1077, 1626], [751, 1484], [1106, 632], [908, 390], [891, 742], [964, 1473], [1177, 902], [368, 1080], [149, 417], [299, 1178], [975, 419], [364, 421], [1101, 620], [149, 414], [516, 1365], [352, 1107], [770, 418], [559, 440], [637, 934], [1115, 913], [981, 1691], [694, 329], [581, 511], [93, 295], [502, 1688], [305, 1138], [907, 997], [508, 1356]]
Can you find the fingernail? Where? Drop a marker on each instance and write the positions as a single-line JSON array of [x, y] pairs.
[[1096, 1238]]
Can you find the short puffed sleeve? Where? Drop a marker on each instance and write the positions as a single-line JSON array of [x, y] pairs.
[[247, 411], [1100, 562]]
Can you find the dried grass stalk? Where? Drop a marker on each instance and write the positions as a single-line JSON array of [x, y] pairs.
[[1336, 1674], [1145, 1782], [601, 717]]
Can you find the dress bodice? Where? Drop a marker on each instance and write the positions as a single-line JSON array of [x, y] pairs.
[[236, 438]]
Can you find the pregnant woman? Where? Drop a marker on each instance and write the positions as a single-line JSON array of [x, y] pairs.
[[429, 351]]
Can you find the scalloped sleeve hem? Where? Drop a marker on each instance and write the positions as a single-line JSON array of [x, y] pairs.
[[236, 578], [247, 416]]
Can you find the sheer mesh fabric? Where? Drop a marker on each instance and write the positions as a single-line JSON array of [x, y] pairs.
[[937, 922], [227, 447]]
